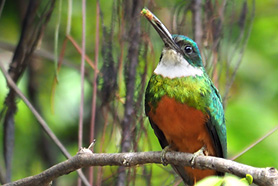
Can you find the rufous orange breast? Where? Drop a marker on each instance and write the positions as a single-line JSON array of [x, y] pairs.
[[185, 129]]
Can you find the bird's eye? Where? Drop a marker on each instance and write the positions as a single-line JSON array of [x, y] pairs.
[[188, 49]]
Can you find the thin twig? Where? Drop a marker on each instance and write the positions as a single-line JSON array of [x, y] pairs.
[[82, 73], [89, 61], [198, 30], [41, 121], [69, 17], [94, 96], [40, 53], [241, 52], [30, 35], [121, 41], [56, 39], [2, 176], [134, 32], [82, 70], [105, 111], [2, 6], [255, 143]]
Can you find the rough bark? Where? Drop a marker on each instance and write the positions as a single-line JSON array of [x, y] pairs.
[[85, 158]]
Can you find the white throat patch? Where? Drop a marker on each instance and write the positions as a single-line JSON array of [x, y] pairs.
[[173, 65]]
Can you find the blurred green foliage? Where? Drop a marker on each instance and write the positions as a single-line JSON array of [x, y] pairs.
[[253, 103], [227, 181], [250, 113]]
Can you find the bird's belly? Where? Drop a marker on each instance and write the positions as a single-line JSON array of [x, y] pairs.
[[185, 130], [184, 127]]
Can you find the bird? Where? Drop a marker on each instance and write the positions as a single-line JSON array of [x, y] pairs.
[[182, 104]]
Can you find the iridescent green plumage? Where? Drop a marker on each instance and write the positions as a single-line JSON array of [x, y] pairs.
[[197, 92], [189, 90]]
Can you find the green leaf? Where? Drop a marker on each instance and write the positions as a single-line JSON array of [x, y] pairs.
[[248, 179], [227, 180], [233, 180], [210, 181]]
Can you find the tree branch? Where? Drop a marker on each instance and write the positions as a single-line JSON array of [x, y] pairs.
[[85, 158]]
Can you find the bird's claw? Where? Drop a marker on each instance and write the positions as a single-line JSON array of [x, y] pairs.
[[200, 152], [163, 156]]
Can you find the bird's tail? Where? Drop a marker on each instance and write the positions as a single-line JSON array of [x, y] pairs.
[[185, 177]]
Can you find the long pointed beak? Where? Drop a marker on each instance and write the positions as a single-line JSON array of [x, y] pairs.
[[161, 30]]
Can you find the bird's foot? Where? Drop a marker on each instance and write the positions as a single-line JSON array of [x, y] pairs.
[[200, 152], [163, 155]]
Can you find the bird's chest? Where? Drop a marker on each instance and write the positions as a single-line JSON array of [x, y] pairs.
[[190, 91], [178, 107], [183, 126]]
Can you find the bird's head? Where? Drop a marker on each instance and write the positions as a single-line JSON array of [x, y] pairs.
[[188, 49], [180, 56]]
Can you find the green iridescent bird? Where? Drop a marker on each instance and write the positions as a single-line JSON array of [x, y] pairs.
[[183, 105]]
